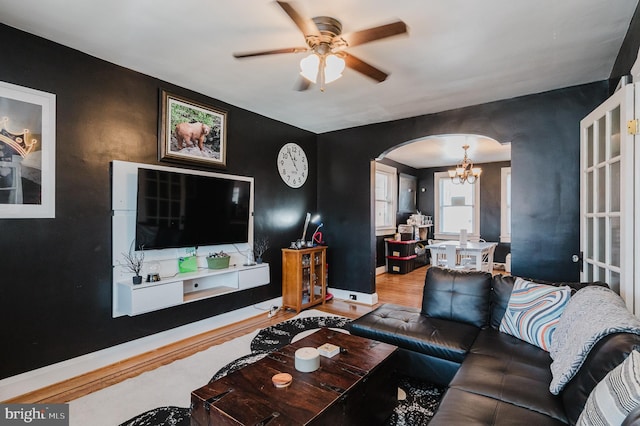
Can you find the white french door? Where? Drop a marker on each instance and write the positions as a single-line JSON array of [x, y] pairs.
[[608, 183]]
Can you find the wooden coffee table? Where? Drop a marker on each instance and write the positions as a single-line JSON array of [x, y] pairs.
[[357, 386]]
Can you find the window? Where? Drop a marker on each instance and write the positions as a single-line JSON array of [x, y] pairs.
[[386, 199], [505, 205], [457, 206]]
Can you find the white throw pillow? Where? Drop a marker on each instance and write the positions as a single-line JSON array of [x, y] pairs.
[[615, 396]]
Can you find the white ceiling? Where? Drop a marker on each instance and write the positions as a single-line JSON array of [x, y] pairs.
[[446, 150], [457, 53]]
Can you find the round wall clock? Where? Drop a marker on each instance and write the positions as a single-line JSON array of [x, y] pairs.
[[292, 165]]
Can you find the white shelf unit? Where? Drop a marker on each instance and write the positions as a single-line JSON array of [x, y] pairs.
[[186, 287], [174, 288]]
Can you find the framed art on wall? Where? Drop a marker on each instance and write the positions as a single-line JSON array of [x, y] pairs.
[[191, 132], [27, 152]]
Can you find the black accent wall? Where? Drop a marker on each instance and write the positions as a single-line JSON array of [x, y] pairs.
[[545, 151], [55, 291]]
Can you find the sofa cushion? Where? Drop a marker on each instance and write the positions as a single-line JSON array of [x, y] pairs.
[[462, 296], [406, 328], [508, 369], [491, 342], [500, 295], [459, 407], [534, 311], [615, 396]]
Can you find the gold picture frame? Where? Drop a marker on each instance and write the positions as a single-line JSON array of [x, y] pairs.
[[191, 132]]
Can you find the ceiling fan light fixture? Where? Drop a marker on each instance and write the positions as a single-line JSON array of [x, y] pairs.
[[334, 66], [309, 67], [330, 65], [324, 39]]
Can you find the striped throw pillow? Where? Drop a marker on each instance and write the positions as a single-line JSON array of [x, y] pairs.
[[615, 396], [533, 312]]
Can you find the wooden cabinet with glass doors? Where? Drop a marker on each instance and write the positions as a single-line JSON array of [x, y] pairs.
[[303, 277]]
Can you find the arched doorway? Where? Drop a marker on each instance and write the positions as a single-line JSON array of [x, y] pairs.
[[418, 166]]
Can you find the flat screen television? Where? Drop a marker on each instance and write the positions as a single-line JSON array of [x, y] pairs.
[[188, 210]]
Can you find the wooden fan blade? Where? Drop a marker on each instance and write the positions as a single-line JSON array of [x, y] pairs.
[[364, 68], [306, 25], [270, 52], [375, 33]]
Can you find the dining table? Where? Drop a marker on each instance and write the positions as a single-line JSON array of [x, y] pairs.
[[479, 251]]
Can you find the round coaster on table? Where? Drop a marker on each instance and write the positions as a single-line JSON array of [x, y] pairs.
[[281, 380]]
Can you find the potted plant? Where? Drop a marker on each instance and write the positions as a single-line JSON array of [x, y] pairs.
[[219, 260], [260, 246], [133, 262]]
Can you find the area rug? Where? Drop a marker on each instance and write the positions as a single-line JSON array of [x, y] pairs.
[[168, 385], [279, 335], [416, 408]]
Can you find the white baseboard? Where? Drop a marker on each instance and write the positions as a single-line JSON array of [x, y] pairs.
[[36, 379], [364, 298], [381, 270]]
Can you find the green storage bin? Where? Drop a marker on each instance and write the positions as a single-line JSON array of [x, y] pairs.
[[188, 264], [218, 262]]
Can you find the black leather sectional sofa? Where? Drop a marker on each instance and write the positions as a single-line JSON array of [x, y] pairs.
[[491, 377]]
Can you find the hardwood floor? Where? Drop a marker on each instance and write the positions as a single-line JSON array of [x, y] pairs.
[[405, 289]]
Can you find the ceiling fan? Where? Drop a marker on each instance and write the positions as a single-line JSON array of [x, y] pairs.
[[327, 45]]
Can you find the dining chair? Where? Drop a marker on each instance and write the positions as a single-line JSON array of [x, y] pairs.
[[487, 260], [468, 260], [447, 256]]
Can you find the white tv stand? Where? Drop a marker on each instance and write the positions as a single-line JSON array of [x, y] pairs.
[[174, 288], [185, 287]]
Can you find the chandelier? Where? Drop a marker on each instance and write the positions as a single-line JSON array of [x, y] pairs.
[[464, 171]]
